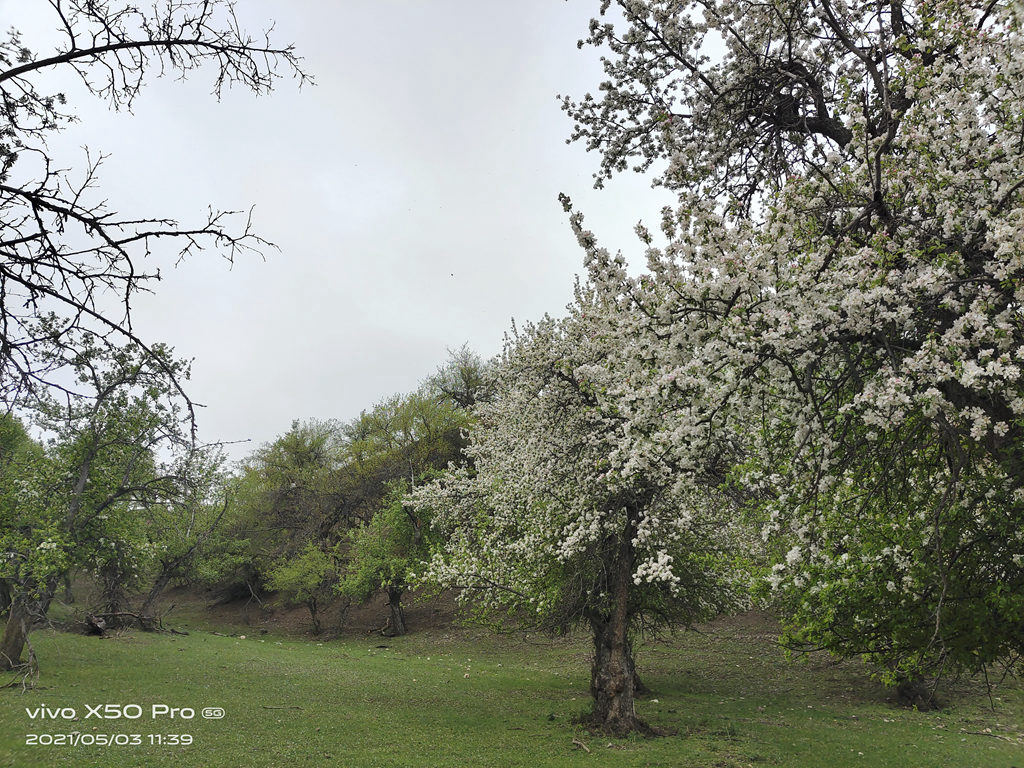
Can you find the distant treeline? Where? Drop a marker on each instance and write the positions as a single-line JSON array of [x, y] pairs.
[[108, 482]]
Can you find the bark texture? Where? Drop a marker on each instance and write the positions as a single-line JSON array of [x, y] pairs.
[[26, 607], [613, 682], [396, 621], [149, 604], [15, 634]]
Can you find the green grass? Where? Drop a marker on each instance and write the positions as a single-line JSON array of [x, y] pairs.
[[728, 692]]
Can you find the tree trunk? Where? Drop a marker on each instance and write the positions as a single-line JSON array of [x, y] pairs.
[[397, 613], [613, 675], [639, 688], [114, 597], [613, 680], [149, 604], [69, 595], [15, 634], [27, 605], [5, 596], [314, 614]]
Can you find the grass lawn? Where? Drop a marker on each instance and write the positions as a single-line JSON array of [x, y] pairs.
[[461, 698]]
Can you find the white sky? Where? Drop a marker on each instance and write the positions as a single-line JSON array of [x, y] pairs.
[[412, 192]]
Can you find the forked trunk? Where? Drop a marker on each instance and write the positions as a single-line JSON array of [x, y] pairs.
[[397, 620]]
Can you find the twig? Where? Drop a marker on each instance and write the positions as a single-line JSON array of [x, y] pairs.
[[576, 742], [993, 735]]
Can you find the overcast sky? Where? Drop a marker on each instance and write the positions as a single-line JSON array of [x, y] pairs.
[[412, 192]]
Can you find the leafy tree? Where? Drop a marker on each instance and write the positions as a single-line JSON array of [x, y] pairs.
[[568, 512], [391, 448], [399, 438], [384, 554], [841, 284], [28, 539], [297, 472], [79, 500], [462, 380], [180, 530], [334, 486], [306, 578], [62, 248], [284, 497]]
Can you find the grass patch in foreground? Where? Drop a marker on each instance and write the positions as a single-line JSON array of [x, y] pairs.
[[458, 699]]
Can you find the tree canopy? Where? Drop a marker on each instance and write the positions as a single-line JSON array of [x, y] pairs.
[[840, 284]]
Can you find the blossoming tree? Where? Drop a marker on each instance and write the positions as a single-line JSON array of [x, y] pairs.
[[570, 513], [842, 275]]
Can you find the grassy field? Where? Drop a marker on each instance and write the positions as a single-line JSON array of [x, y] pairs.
[[462, 698]]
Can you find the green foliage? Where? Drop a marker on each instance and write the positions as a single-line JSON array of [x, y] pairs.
[[80, 500], [302, 577], [31, 539], [384, 552], [913, 577], [401, 438], [333, 487], [399, 443], [284, 496], [305, 578], [463, 381]]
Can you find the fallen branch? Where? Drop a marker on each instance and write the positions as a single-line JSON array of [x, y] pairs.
[[577, 743], [993, 735]]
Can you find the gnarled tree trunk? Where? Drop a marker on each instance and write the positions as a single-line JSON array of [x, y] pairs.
[[27, 605], [613, 680], [613, 675], [19, 619]]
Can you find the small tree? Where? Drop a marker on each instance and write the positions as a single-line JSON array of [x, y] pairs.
[[569, 513], [307, 578], [384, 553]]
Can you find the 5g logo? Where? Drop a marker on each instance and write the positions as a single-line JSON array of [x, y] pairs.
[[213, 713]]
